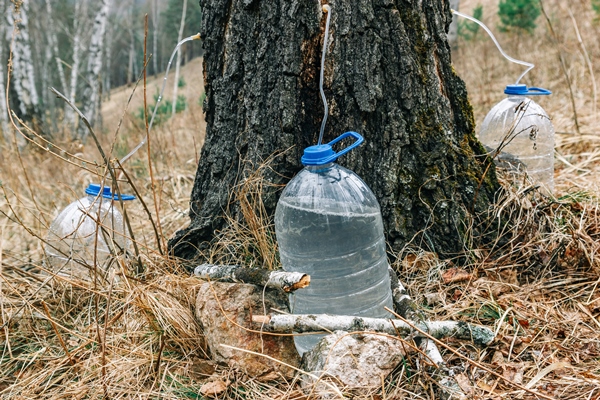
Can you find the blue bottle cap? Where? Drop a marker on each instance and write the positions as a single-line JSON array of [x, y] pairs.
[[523, 90], [94, 190], [323, 153]]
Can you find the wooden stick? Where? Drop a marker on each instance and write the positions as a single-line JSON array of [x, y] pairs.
[[301, 323], [287, 281]]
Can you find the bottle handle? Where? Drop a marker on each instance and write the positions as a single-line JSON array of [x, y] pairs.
[[323, 154], [345, 135], [532, 91]]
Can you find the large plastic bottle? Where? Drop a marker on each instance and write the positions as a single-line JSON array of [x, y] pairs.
[[328, 224], [524, 135], [76, 242]]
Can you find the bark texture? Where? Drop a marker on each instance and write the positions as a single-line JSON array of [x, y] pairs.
[[91, 95], [286, 281], [22, 71], [388, 76]]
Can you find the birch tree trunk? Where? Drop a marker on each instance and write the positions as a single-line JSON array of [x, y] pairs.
[[155, 29], [70, 116], [91, 95], [130, 72], [22, 71], [388, 76], [3, 111], [178, 62], [53, 42]]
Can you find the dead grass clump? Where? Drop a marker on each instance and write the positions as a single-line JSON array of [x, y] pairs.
[[249, 238]]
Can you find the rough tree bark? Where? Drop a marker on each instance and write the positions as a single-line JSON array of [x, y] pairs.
[[91, 95], [388, 76], [22, 71]]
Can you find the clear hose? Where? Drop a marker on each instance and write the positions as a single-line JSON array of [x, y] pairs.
[[327, 10], [158, 100], [509, 58]]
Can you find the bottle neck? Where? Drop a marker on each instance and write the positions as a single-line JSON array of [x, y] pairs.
[[317, 168]]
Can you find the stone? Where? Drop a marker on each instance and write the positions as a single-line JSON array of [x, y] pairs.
[[225, 310], [352, 360]]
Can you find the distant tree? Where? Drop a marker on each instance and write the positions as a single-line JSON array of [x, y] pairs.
[[518, 15], [468, 29], [171, 22], [77, 49], [22, 71], [178, 62], [91, 95], [3, 111]]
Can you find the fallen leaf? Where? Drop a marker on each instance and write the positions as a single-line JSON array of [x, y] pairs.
[[214, 388], [454, 275], [464, 383], [202, 368], [498, 358], [524, 323]]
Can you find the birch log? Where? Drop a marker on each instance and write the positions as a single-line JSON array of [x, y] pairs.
[[302, 323], [287, 281]]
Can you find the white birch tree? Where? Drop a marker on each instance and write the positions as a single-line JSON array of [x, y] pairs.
[[70, 117], [178, 62], [3, 110], [155, 37], [53, 42], [22, 73], [91, 95]]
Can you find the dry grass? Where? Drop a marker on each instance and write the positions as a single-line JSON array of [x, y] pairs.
[[537, 286]]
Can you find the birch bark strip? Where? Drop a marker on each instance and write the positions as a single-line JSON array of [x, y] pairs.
[[302, 323], [286, 281]]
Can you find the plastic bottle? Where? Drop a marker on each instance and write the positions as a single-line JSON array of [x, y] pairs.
[[76, 242], [519, 132], [328, 224]]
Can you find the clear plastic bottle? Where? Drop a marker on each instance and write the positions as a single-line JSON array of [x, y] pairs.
[[328, 225], [76, 242], [524, 135]]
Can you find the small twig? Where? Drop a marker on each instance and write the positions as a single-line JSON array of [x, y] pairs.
[[587, 59], [159, 243], [60, 339], [160, 351], [562, 66]]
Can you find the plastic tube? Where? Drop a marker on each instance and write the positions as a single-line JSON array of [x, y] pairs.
[[326, 9], [509, 58], [143, 142]]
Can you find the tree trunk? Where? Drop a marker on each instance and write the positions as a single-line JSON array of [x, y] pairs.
[[53, 41], [178, 62], [130, 71], [91, 96], [388, 76], [23, 72], [78, 24], [155, 37], [3, 110]]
